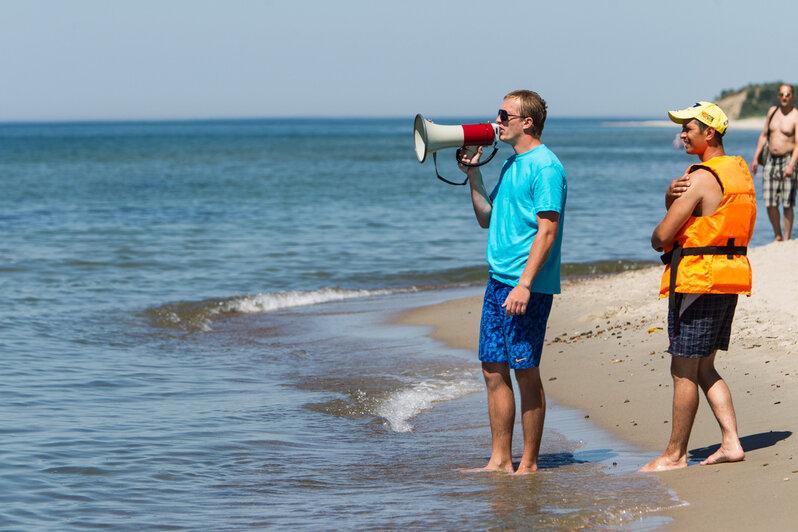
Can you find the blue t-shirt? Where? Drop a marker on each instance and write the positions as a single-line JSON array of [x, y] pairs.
[[530, 183]]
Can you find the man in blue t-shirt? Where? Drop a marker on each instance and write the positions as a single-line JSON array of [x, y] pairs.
[[524, 218]]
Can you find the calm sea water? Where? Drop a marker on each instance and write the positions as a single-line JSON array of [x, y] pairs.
[[194, 330]]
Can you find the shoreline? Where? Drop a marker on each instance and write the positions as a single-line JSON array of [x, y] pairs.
[[748, 124], [605, 355]]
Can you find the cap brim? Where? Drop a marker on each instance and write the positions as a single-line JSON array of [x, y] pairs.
[[681, 116]]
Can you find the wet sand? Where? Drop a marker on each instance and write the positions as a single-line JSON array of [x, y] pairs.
[[605, 355]]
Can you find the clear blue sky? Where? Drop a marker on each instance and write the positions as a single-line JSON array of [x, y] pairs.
[[152, 59]]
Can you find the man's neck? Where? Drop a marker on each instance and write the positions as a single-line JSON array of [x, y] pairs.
[[711, 152], [785, 109], [525, 144]]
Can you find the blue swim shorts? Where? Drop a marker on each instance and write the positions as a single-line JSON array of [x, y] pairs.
[[514, 340], [703, 328]]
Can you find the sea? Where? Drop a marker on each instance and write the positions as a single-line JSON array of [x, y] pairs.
[[197, 328]]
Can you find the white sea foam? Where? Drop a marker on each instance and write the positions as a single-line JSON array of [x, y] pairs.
[[198, 316], [403, 405], [270, 302]]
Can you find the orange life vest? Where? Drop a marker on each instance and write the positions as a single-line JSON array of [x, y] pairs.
[[709, 252]]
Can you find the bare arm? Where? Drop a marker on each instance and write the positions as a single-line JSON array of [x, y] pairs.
[[676, 189], [760, 143], [480, 199], [790, 170], [518, 298], [702, 198]]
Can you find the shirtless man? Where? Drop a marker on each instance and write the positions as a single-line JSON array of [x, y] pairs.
[[779, 177]]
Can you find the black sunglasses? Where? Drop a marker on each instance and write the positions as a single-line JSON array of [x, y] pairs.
[[504, 116]]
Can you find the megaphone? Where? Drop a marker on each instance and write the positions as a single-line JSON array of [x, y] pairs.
[[430, 137]]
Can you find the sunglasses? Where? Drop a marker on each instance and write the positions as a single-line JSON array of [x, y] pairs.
[[504, 116]]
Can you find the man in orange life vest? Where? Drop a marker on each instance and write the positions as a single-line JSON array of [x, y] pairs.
[[710, 220]]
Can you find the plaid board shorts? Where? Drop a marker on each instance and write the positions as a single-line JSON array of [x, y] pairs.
[[774, 186], [514, 340], [703, 328]]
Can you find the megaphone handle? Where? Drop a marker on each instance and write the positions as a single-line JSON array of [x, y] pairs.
[[457, 156], [486, 161]]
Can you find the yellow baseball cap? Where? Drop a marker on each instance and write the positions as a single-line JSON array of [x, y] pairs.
[[705, 112]]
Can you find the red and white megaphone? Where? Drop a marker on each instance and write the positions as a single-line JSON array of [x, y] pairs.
[[430, 137]]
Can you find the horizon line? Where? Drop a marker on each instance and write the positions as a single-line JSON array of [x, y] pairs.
[[87, 121]]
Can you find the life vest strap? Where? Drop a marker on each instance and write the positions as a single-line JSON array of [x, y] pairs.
[[675, 255]]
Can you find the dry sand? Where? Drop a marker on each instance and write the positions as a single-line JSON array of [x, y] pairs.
[[605, 355]]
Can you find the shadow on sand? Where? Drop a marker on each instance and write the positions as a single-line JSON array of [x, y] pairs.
[[555, 460], [749, 443]]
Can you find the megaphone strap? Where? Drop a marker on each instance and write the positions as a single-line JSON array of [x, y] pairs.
[[457, 157], [435, 162]]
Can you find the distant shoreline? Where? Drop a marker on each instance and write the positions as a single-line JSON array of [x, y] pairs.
[[748, 124]]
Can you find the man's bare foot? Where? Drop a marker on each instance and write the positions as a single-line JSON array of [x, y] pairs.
[[725, 455], [663, 463], [490, 468], [778, 238], [523, 470]]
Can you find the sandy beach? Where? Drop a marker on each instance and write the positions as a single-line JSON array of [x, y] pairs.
[[605, 355]]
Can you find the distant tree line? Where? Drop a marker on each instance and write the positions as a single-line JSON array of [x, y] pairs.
[[759, 97]]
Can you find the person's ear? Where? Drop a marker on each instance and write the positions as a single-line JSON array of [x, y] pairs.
[[528, 122]]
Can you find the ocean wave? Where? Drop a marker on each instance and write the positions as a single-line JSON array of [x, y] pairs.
[[399, 407], [603, 267], [396, 407], [198, 315]]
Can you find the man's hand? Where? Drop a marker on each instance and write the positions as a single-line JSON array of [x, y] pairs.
[[788, 171], [754, 166], [677, 187], [705, 192], [468, 155], [516, 301]]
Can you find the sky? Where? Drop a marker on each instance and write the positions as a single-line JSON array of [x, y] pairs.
[[197, 59]]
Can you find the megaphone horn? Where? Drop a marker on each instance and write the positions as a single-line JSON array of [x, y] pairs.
[[431, 137]]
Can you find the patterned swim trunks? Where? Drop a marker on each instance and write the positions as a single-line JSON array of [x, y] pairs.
[[703, 328], [514, 340], [774, 186]]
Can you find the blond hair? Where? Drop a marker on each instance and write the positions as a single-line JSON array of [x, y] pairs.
[[531, 105]]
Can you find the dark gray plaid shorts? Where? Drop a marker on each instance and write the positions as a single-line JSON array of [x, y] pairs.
[[703, 328], [774, 187]]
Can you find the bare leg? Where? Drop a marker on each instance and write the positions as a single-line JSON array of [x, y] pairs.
[[501, 411], [685, 405], [789, 215], [533, 414], [720, 401], [773, 215]]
